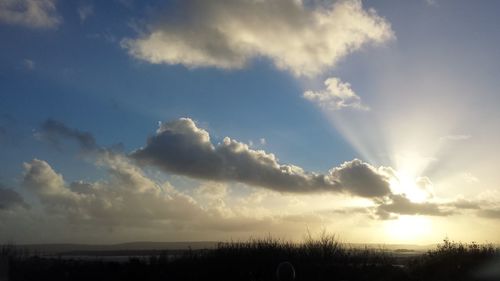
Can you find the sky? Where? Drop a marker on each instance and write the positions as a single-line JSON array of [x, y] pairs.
[[195, 120]]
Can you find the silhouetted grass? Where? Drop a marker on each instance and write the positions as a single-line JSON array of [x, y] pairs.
[[322, 258]]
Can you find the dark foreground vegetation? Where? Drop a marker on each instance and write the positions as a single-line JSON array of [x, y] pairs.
[[314, 259]]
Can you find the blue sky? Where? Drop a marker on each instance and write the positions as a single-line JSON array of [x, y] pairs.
[[412, 93]]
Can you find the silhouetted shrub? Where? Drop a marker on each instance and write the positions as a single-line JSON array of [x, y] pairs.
[[453, 261]]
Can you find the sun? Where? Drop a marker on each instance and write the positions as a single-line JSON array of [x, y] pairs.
[[408, 229], [412, 187]]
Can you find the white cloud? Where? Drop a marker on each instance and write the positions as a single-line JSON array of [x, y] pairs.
[[302, 39], [40, 178], [30, 13], [336, 96]]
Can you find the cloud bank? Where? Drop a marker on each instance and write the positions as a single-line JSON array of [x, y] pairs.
[[303, 38], [181, 147], [131, 202], [30, 13]]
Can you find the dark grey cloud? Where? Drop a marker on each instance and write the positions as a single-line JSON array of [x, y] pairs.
[[181, 147], [466, 204], [401, 205], [53, 131], [361, 179], [11, 199], [491, 213], [398, 204]]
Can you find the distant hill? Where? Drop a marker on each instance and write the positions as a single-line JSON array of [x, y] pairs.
[[54, 249], [147, 248], [394, 247]]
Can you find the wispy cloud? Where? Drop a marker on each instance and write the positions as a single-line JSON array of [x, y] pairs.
[[470, 178], [53, 131], [455, 138], [84, 11], [30, 13], [29, 64], [432, 3]]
